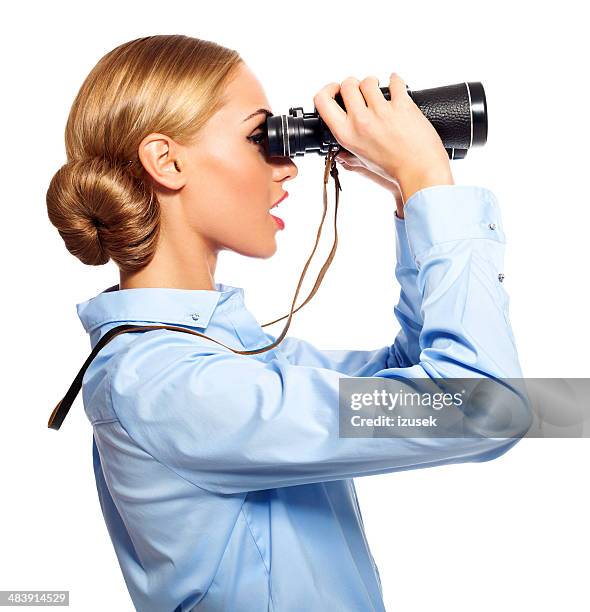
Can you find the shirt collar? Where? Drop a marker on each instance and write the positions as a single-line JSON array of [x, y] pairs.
[[192, 307]]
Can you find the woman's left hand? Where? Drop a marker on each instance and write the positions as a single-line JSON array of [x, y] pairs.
[[349, 161]]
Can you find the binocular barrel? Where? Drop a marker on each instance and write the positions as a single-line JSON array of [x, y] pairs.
[[458, 113]]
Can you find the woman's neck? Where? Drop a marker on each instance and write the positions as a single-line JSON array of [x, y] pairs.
[[176, 266]]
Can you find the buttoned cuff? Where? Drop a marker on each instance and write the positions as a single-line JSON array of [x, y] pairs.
[[402, 247], [445, 213]]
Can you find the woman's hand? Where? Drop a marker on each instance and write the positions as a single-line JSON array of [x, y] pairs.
[[392, 138], [350, 162]]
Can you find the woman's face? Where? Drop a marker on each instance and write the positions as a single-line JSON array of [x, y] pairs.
[[231, 183]]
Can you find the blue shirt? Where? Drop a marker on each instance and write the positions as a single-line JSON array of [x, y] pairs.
[[221, 477]]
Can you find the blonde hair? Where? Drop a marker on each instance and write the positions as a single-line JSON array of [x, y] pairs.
[[100, 201]]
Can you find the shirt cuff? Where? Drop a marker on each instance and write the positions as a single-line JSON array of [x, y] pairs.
[[444, 213], [402, 247]]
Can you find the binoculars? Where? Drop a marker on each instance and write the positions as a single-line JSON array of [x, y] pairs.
[[458, 112]]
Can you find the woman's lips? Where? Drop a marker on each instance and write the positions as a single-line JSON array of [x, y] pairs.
[[278, 220], [280, 199]]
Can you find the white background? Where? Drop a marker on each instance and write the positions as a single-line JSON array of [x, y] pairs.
[[510, 534]]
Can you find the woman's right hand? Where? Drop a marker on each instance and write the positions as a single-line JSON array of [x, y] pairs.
[[391, 138]]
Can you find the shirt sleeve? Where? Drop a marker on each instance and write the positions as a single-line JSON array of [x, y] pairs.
[[405, 350], [231, 423]]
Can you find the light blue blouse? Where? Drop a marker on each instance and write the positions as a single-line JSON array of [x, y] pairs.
[[221, 477]]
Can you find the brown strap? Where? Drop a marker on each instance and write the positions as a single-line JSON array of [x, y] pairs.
[[63, 406], [331, 165]]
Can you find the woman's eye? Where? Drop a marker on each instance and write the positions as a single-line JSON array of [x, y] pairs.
[[257, 138]]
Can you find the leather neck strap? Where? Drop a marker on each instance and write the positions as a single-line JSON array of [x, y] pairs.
[[63, 406]]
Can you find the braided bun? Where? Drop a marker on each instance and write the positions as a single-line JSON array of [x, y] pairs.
[[103, 212]]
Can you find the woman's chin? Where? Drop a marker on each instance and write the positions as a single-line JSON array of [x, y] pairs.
[[269, 250], [260, 249]]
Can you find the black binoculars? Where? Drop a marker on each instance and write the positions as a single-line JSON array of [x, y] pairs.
[[458, 113]]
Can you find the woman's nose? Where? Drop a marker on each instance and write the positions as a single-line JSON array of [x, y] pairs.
[[285, 169]]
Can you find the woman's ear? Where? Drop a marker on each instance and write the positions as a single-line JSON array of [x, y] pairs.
[[159, 155]]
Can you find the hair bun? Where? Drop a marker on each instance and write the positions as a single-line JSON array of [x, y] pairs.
[[102, 212]]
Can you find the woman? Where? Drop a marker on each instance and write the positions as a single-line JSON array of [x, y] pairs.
[[221, 476]]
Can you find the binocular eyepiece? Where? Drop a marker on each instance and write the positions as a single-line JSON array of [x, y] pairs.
[[458, 112]]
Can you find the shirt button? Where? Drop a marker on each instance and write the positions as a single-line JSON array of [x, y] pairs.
[[492, 226], [500, 277], [195, 316]]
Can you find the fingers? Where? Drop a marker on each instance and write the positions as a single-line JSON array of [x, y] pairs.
[[359, 97], [397, 86], [347, 159], [369, 87], [352, 97], [331, 112]]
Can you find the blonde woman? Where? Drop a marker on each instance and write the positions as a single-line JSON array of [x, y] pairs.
[[221, 476]]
